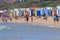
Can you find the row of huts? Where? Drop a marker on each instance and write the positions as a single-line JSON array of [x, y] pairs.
[[37, 11]]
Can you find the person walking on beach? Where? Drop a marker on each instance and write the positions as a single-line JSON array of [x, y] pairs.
[[4, 17], [55, 18], [46, 12], [27, 16]]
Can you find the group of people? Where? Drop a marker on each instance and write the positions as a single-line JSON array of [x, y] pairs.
[[5, 17], [55, 18]]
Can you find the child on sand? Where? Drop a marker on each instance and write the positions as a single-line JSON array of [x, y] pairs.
[[3, 17]]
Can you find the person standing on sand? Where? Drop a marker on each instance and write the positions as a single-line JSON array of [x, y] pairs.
[[55, 18], [46, 12], [27, 16]]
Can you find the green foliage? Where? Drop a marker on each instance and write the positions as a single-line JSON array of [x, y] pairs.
[[29, 4]]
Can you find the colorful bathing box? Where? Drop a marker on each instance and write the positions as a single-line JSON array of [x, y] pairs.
[[33, 11]]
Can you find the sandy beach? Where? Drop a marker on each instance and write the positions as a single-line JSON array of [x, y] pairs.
[[36, 20]]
